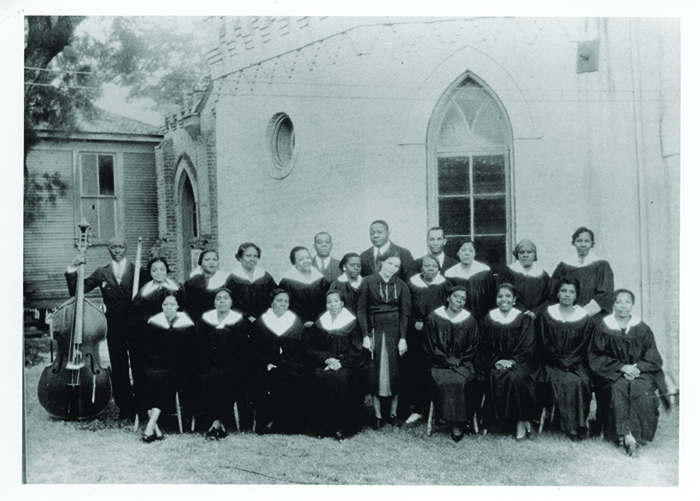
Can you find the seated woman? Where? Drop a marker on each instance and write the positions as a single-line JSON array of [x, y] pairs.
[[593, 274], [249, 284], [625, 362], [306, 286], [348, 284], [203, 283], [428, 292], [531, 282], [165, 347], [451, 347], [220, 354], [476, 277], [277, 369], [510, 366], [334, 351], [564, 331]]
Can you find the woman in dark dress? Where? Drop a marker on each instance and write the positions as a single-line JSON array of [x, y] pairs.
[[306, 286], [476, 277], [277, 366], [147, 303], [451, 347], [625, 362], [203, 283], [510, 366], [383, 310], [220, 354], [249, 284], [593, 274], [165, 347], [428, 292], [348, 284], [564, 331], [334, 351], [531, 282]]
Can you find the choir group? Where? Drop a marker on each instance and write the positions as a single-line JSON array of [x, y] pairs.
[[299, 356]]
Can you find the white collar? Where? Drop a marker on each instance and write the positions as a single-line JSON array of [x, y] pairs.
[[212, 318], [355, 284], [418, 281], [535, 271], [577, 315], [343, 319], [238, 270], [294, 274], [151, 287], [182, 320], [612, 323], [118, 268], [460, 317], [278, 325], [498, 318], [457, 272], [382, 250], [217, 280], [572, 259]]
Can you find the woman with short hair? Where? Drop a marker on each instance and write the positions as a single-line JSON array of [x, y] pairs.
[[474, 276], [531, 282], [306, 286], [249, 283], [203, 283], [348, 284]]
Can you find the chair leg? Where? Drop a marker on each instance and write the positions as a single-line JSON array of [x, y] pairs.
[[192, 425], [431, 415], [543, 416], [136, 423], [476, 424], [236, 416], [179, 411]]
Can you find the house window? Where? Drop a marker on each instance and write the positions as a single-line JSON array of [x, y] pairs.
[[469, 159], [98, 198], [282, 145]]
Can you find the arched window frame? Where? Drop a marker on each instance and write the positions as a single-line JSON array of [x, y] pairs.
[[434, 152]]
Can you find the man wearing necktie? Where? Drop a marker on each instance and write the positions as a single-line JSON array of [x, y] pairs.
[[381, 245], [323, 262], [115, 281]]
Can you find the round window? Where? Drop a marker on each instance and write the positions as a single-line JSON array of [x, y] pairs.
[[281, 134]]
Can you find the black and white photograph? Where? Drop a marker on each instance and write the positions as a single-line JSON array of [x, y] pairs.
[[380, 246]]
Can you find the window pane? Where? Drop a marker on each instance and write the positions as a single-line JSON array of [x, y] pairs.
[[489, 174], [489, 128], [453, 175], [453, 129], [455, 215], [489, 215], [88, 209], [470, 99], [107, 219], [492, 251], [106, 163], [88, 171]]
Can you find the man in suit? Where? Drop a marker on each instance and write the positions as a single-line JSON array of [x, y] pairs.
[[323, 262], [379, 235], [115, 281], [436, 243]]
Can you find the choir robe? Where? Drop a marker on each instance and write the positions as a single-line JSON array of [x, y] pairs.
[[531, 286], [307, 295], [626, 406], [451, 347], [220, 363], [383, 311], [348, 291], [166, 351], [564, 349], [280, 395], [480, 284], [446, 262], [595, 278], [337, 395], [250, 298], [511, 394], [201, 291]]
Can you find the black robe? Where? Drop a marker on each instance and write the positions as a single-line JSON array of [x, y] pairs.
[[481, 288], [531, 292], [280, 394], [451, 347], [347, 292], [220, 362], [201, 292], [383, 311], [337, 396], [626, 406], [564, 350], [596, 280], [308, 301], [511, 394], [250, 298]]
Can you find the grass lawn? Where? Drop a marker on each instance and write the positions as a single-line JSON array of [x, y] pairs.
[[103, 451]]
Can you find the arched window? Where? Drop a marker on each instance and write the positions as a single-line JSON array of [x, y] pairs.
[[469, 158]]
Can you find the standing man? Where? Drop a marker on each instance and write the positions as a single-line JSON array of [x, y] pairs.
[[379, 235], [115, 281], [323, 262], [436, 243]]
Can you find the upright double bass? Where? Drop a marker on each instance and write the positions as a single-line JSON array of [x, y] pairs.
[[76, 386]]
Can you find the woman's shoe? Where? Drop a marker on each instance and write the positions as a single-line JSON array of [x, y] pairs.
[[212, 434], [457, 436], [149, 438], [529, 431], [378, 424], [520, 431]]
